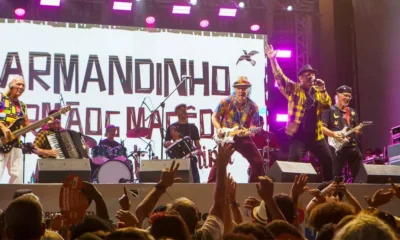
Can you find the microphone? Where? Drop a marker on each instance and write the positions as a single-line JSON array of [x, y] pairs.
[[124, 180], [184, 77], [62, 100], [143, 102]]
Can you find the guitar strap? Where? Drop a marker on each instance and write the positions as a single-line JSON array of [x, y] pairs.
[[348, 116]]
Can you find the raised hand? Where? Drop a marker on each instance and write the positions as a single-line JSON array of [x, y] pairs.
[[265, 188], [224, 154], [251, 202], [56, 222], [317, 194], [127, 217], [124, 201], [90, 191], [299, 185], [232, 189], [379, 198], [270, 52], [168, 176], [395, 188]]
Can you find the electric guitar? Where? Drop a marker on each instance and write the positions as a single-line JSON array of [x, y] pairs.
[[229, 133], [6, 144], [337, 145]]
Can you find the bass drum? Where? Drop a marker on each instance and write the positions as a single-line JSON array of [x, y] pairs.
[[100, 154], [113, 171], [118, 153]]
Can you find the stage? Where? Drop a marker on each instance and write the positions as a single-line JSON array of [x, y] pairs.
[[201, 194]]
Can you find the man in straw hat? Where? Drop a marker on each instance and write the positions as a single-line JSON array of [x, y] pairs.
[[307, 99], [239, 110]]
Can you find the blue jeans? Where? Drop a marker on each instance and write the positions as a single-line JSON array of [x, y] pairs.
[[195, 170]]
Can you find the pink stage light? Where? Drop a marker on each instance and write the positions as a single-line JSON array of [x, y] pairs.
[[55, 3], [284, 54], [124, 6], [150, 20], [276, 84], [282, 117], [255, 27], [204, 23], [181, 9], [227, 12], [19, 12]]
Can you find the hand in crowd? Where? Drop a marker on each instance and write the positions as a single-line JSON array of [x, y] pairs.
[[168, 176], [379, 198], [56, 222], [299, 185], [270, 52], [316, 193], [231, 189], [224, 154], [251, 202], [124, 201], [265, 188], [395, 188], [127, 218], [91, 191]]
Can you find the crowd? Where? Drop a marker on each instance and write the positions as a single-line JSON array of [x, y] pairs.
[[333, 212]]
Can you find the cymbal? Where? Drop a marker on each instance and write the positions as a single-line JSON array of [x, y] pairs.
[[90, 141], [138, 132]]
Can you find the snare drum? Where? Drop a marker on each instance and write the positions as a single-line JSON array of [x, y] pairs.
[[100, 154], [113, 171], [118, 153], [181, 148]]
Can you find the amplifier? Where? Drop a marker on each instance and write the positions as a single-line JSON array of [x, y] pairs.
[[50, 170], [150, 170], [393, 153]]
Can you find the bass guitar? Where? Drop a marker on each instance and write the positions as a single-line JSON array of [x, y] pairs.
[[337, 145], [228, 134], [6, 144]]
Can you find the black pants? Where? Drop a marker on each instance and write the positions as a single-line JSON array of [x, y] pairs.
[[350, 155], [298, 147], [195, 169]]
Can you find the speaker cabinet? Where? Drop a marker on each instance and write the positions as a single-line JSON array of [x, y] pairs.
[[377, 174], [150, 170], [52, 170], [282, 171]]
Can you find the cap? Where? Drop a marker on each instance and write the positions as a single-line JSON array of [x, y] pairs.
[[180, 105], [242, 81], [306, 68], [344, 89]]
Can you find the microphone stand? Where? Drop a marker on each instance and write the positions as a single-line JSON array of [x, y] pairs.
[[162, 105], [23, 161]]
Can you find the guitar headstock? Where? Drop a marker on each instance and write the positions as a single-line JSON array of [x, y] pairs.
[[65, 109], [366, 123]]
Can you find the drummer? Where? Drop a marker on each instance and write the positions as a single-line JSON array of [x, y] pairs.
[[111, 132], [180, 129]]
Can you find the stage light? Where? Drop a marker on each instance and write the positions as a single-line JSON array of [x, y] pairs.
[[289, 8], [282, 117], [55, 3], [204, 23], [255, 27], [193, 2], [150, 20], [241, 5], [181, 9], [19, 12], [276, 84], [124, 6], [284, 54], [227, 12]]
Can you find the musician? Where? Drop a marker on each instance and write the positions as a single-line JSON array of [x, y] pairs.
[[11, 108], [267, 141], [111, 132], [336, 118], [307, 99], [239, 110], [41, 143], [182, 128]]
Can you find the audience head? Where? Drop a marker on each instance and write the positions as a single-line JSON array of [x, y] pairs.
[[21, 192], [280, 228], [365, 227], [130, 233], [92, 224], [329, 212], [252, 229], [188, 212], [18, 225], [286, 205], [168, 224], [238, 236], [326, 232], [385, 217]]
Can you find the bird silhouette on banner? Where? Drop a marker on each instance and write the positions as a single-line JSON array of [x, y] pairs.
[[247, 56]]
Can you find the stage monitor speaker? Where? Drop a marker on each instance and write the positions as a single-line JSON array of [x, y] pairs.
[[377, 173], [150, 170], [50, 170], [282, 171]]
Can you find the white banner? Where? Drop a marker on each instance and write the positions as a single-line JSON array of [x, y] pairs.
[[105, 73]]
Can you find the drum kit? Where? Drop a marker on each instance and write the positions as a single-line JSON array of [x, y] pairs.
[[113, 164]]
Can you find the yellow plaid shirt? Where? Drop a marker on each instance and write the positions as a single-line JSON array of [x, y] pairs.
[[296, 99], [41, 139]]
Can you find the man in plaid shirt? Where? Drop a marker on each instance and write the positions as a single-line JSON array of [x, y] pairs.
[[307, 99], [42, 145]]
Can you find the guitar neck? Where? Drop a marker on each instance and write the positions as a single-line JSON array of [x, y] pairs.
[[34, 126], [350, 131]]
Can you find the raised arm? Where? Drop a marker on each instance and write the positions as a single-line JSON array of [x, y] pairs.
[[284, 83]]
